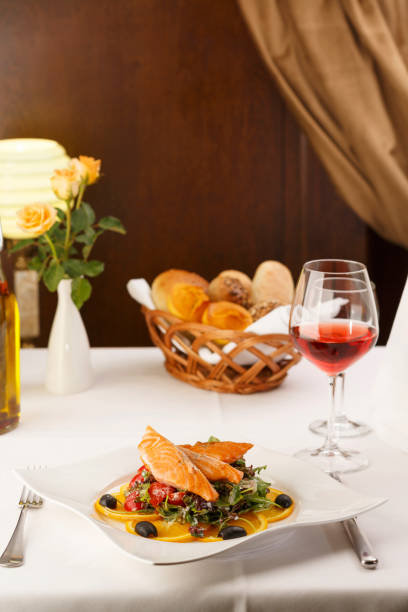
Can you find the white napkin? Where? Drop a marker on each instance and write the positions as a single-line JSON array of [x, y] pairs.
[[275, 322], [140, 291], [390, 393]]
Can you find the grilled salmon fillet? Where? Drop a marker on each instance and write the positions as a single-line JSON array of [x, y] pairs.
[[171, 465], [213, 468], [224, 451]]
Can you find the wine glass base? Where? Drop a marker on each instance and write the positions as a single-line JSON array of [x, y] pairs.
[[334, 460], [344, 428]]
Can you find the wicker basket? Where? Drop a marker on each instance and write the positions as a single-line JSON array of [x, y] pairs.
[[180, 342]]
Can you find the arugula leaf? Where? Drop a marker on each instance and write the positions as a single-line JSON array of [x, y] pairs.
[[263, 487], [235, 495], [259, 469]]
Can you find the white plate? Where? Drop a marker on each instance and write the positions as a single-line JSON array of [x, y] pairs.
[[319, 499]]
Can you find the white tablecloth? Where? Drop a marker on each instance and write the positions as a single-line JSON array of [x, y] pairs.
[[71, 566]]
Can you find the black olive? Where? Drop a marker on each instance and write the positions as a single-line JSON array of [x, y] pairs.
[[146, 529], [109, 501], [284, 500], [233, 531]]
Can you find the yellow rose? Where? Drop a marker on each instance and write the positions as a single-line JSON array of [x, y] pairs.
[[35, 219], [87, 168], [65, 183]]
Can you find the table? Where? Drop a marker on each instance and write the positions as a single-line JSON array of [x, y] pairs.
[[71, 566]]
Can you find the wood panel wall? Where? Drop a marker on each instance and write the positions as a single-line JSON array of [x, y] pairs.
[[201, 159]]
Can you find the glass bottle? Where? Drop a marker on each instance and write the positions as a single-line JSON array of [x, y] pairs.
[[9, 354]]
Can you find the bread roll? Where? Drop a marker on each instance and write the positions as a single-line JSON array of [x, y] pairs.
[[187, 302], [259, 310], [272, 282], [231, 286], [164, 283], [226, 315]]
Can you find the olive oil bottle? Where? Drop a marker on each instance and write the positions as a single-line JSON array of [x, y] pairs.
[[9, 354]]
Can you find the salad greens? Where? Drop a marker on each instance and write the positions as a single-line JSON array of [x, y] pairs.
[[234, 500]]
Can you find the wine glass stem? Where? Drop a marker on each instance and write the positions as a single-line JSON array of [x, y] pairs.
[[340, 416], [335, 386]]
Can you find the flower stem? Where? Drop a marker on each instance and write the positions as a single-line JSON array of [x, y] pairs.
[[52, 247], [68, 232], [80, 194]]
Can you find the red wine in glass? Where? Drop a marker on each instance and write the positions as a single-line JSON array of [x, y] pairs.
[[333, 323], [334, 345]]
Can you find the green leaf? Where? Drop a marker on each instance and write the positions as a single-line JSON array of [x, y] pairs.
[[87, 208], [93, 267], [21, 244], [56, 233], [52, 275], [87, 237], [60, 250], [35, 263], [86, 250], [213, 439], [74, 267], [44, 251], [40, 272], [113, 224], [235, 495], [60, 214], [79, 220], [81, 291]]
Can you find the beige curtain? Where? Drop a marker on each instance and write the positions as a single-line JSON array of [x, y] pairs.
[[342, 66]]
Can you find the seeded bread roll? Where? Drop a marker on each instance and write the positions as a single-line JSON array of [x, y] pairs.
[[272, 282], [164, 283], [259, 310], [231, 286]]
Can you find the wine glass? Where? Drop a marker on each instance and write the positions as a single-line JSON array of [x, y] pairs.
[[333, 322], [345, 427]]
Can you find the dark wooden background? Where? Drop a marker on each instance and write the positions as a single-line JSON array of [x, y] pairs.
[[201, 159]]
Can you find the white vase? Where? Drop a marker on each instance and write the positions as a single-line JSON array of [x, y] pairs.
[[69, 368]]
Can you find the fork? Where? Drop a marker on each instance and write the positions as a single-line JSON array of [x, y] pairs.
[[13, 555], [359, 542]]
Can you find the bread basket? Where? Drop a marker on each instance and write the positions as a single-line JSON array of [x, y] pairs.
[[181, 342]]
